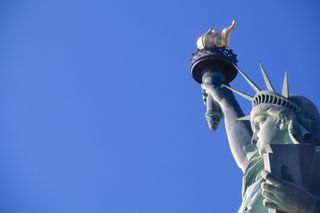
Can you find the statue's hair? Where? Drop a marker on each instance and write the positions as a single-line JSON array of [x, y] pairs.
[[308, 118], [279, 113]]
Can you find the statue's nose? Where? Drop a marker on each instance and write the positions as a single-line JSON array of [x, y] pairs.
[[254, 138]]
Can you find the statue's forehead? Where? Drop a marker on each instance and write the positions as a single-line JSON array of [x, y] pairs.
[[260, 110]]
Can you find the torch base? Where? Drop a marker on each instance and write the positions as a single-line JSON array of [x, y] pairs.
[[214, 59]]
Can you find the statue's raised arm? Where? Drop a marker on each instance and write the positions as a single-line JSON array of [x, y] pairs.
[[213, 65], [238, 132]]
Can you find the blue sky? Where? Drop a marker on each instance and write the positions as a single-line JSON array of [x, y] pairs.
[[99, 113]]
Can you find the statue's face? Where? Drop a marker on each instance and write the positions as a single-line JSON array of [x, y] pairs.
[[266, 130]]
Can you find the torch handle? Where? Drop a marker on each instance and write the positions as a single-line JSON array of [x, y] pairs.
[[213, 113]]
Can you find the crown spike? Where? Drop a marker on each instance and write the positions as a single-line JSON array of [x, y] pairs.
[[250, 82], [285, 88], [246, 96], [266, 79], [244, 118]]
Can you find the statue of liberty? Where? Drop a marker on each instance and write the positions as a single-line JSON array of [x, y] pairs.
[[278, 123]]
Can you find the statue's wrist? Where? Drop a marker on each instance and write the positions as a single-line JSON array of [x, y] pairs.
[[228, 101]]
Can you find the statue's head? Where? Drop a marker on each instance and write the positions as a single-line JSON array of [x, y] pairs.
[[280, 118], [278, 124]]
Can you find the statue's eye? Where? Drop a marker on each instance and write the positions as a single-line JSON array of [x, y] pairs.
[[258, 122]]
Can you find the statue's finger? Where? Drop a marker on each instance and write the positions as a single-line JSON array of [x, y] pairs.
[[204, 86], [271, 179], [269, 204], [205, 101], [278, 191], [269, 187], [269, 196], [204, 93]]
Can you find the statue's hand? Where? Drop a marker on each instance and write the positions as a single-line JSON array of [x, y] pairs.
[[287, 197], [217, 92]]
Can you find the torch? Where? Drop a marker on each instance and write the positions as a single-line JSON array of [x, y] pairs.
[[213, 63]]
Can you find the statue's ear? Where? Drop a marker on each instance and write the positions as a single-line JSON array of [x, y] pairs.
[[286, 120]]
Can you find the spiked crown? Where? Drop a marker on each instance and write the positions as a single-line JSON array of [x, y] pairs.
[[268, 96]]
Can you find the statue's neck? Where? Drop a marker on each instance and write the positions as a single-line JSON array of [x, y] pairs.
[[284, 139]]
